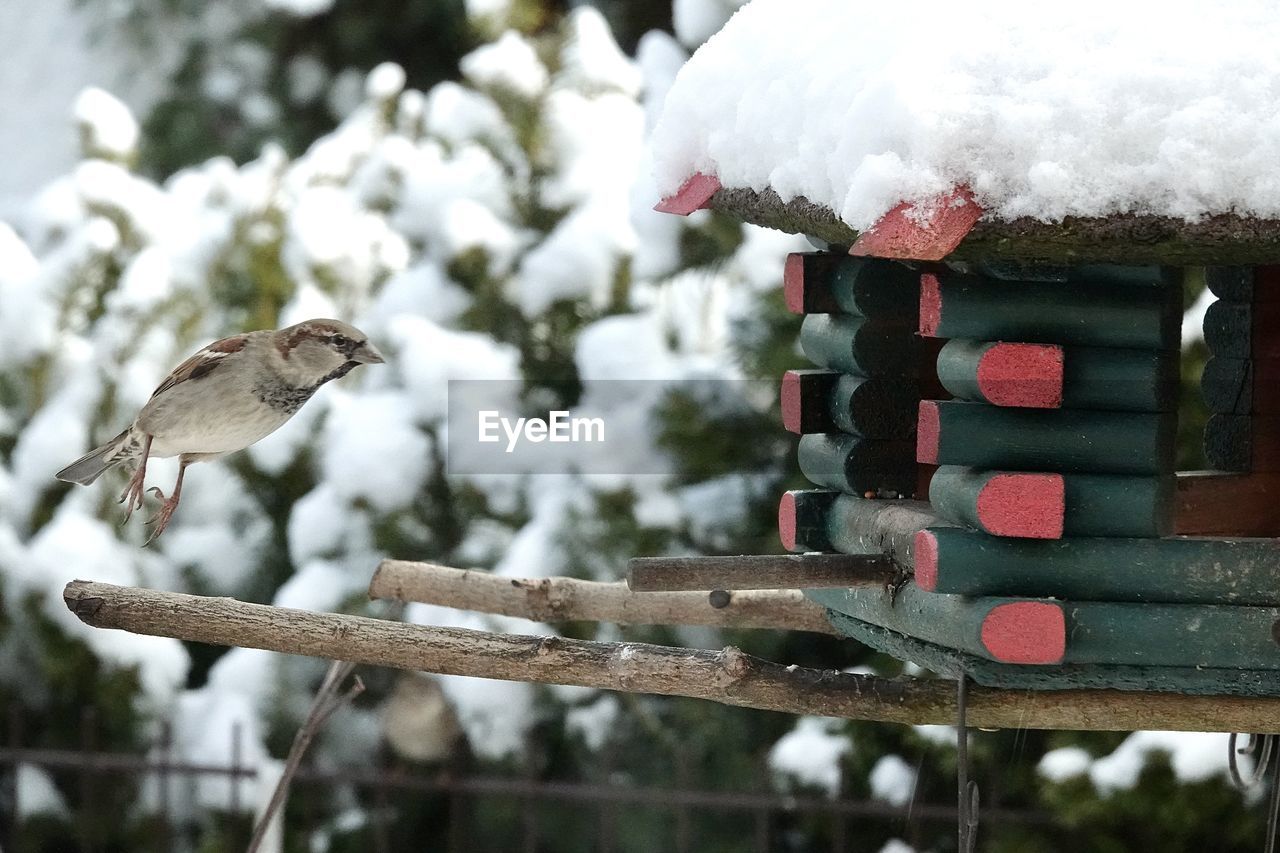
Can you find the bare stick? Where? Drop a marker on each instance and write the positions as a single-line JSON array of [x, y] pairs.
[[765, 571], [727, 676], [327, 700], [570, 599]]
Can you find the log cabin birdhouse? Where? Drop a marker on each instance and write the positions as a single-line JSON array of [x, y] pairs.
[[993, 396]]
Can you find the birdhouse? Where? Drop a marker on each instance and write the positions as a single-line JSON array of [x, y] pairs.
[[1003, 427]]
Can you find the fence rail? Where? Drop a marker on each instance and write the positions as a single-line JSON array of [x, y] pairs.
[[534, 796]]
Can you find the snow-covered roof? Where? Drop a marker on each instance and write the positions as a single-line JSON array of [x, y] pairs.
[[1137, 111]]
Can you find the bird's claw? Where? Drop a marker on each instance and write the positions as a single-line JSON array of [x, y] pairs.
[[161, 519]]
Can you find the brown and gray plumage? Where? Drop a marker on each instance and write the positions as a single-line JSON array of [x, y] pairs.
[[224, 398]]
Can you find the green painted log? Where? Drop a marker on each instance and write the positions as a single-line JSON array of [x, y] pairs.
[[1119, 505], [1227, 385], [1010, 630], [858, 465], [826, 283], [826, 401], [1002, 503], [1191, 680], [1022, 630], [1243, 442], [859, 525], [820, 520], [1174, 570], [860, 347], [1080, 312], [1050, 376], [1050, 506], [802, 520], [1068, 440]]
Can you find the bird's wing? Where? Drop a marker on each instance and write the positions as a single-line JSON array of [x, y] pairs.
[[202, 363]]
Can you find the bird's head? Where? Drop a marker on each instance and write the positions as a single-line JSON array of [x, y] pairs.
[[319, 350]]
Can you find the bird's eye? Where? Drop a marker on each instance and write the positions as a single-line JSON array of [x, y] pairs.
[[340, 341]]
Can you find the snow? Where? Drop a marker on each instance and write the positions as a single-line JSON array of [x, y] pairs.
[[1045, 111], [509, 63], [893, 780], [811, 754], [695, 21], [36, 793], [384, 82], [385, 471], [1064, 763], [592, 59], [896, 845], [300, 8], [1194, 757], [108, 126], [594, 722]]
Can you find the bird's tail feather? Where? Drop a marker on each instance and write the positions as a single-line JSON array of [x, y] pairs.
[[89, 467]]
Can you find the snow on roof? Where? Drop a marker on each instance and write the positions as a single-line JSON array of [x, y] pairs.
[[1091, 108]]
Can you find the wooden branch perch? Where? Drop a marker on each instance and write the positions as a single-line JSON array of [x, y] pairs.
[[758, 571], [727, 676], [570, 599]]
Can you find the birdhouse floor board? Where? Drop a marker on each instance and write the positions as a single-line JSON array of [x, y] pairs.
[[982, 436], [1169, 679], [821, 401], [1085, 313], [861, 347], [1171, 570], [826, 283], [1222, 636], [1214, 503], [850, 463]]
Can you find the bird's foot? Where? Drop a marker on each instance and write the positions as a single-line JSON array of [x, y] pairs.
[[161, 519], [133, 492]]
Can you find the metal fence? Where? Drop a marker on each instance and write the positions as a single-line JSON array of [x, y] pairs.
[[758, 816]]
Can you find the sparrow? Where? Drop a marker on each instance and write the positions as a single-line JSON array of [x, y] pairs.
[[224, 398]]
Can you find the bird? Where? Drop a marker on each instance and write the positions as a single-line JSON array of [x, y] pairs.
[[227, 396]]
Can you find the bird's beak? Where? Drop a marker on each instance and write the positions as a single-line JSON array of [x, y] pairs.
[[367, 353]]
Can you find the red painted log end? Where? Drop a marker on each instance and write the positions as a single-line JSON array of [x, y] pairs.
[[927, 231], [1031, 506], [693, 195], [930, 305], [928, 432], [1027, 375], [925, 555], [793, 283], [1025, 632], [792, 415], [787, 521]]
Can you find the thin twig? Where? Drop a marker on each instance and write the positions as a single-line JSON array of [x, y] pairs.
[[327, 700]]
